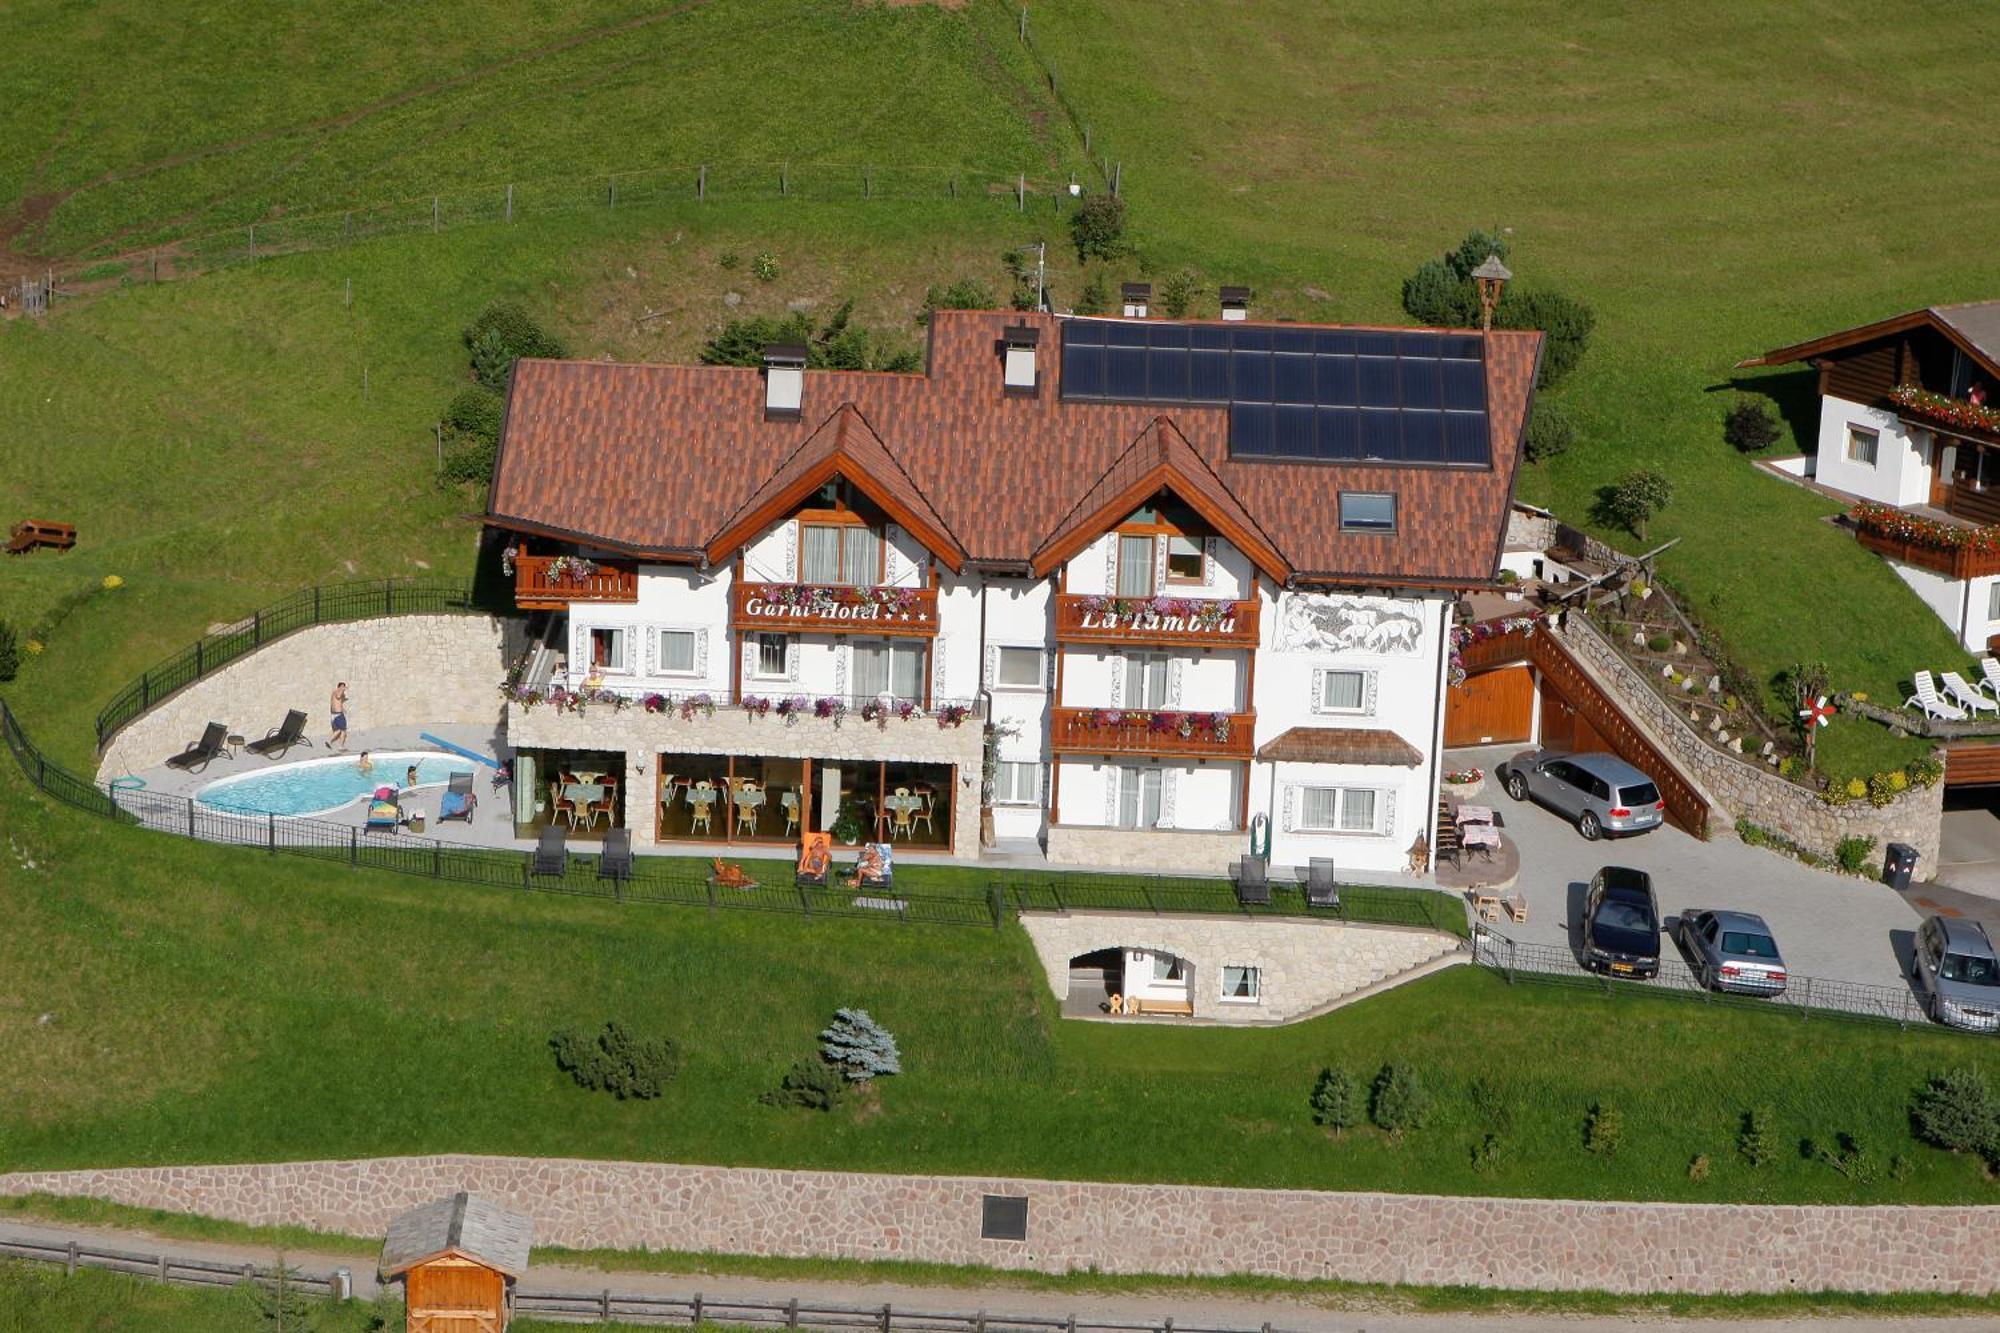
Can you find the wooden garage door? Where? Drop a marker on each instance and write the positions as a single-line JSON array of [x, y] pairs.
[[1491, 708]]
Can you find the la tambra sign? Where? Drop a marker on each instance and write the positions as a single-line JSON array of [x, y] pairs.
[[1149, 621]]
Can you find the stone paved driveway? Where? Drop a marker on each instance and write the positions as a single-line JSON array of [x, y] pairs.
[[1827, 925]]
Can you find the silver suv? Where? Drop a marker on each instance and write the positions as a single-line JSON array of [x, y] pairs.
[[1957, 972], [1601, 792]]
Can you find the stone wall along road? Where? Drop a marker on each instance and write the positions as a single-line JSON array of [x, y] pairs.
[[1523, 1244]]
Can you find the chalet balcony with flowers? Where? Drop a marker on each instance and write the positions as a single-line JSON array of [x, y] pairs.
[[1910, 430]]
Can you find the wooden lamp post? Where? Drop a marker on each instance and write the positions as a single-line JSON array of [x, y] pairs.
[[1491, 277]]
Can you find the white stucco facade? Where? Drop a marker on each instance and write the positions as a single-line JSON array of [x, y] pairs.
[[1899, 472]]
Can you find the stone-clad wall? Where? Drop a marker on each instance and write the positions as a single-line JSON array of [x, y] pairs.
[[643, 737], [400, 671], [1746, 789], [1188, 851], [1305, 965], [1533, 1244]]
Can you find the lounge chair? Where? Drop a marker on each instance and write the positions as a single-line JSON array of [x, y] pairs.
[[1989, 676], [551, 854], [1927, 699], [815, 859], [1321, 891], [1962, 694], [290, 732], [1253, 882], [876, 868], [385, 812], [616, 862], [197, 756], [459, 799]]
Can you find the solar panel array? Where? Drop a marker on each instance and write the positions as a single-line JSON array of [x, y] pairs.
[[1341, 395]]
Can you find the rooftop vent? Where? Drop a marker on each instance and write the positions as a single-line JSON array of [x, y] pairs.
[[1235, 302], [1017, 353], [784, 380], [1138, 296]]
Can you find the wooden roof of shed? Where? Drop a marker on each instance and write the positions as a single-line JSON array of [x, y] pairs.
[[463, 1225]]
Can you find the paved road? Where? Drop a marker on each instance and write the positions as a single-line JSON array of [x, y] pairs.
[[1208, 1311], [1827, 925]]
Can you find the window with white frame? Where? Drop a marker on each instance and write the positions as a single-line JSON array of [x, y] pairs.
[[1166, 967], [1342, 691], [609, 649], [1338, 810], [1016, 783], [1146, 680], [772, 650], [1993, 600], [1241, 984], [1139, 791], [889, 666], [1186, 562], [839, 553], [1862, 444], [679, 651], [1018, 668]]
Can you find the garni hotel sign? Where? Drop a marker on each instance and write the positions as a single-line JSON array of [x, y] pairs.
[[812, 606]]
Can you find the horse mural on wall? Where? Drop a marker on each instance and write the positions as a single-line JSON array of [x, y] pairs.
[[1319, 622]]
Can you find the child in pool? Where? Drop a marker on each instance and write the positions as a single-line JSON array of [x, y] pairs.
[[365, 764]]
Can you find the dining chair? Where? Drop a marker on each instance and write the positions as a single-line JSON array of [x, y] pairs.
[[903, 814], [561, 806], [746, 815], [924, 810], [790, 800], [600, 806], [701, 800]]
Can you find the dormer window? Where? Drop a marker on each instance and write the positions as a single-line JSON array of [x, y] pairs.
[[1017, 351], [1138, 299], [784, 381]]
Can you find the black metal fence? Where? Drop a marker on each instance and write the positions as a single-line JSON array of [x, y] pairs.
[[327, 605], [1808, 997]]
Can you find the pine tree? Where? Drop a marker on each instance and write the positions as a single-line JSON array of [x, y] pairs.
[[279, 1302], [859, 1046], [1334, 1103]]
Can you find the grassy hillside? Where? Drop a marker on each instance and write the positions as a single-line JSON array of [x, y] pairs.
[[173, 1002]]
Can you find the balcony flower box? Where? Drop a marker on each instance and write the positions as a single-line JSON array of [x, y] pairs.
[[1945, 410]]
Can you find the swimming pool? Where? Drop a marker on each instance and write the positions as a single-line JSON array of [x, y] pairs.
[[317, 786]]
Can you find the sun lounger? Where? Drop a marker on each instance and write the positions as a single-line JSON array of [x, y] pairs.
[[876, 868], [815, 859], [459, 800], [616, 863], [1962, 694], [1989, 676], [1927, 699], [197, 756], [1321, 891], [1253, 882], [551, 854], [385, 815], [290, 732]]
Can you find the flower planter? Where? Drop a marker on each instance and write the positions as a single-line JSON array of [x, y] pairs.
[[1463, 791]]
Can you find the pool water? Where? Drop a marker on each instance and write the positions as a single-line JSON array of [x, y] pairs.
[[320, 785]]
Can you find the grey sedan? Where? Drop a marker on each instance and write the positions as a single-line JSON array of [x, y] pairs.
[[1731, 951], [1955, 967], [1601, 792]]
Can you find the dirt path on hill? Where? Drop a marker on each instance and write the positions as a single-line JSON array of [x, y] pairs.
[[1186, 1309]]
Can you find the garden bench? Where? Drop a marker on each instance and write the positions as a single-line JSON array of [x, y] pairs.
[[31, 533], [1176, 1008]]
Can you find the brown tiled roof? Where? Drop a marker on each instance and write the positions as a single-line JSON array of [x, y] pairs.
[[656, 459], [1340, 745]]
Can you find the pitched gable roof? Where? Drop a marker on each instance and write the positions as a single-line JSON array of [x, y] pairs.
[[461, 1224], [1972, 325], [647, 459]]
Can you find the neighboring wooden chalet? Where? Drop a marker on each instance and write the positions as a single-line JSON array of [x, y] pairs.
[[459, 1259], [1910, 422]]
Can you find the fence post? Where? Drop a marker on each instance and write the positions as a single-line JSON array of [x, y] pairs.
[[145, 692], [163, 1269], [315, 604], [885, 1317], [998, 905], [1024, 37], [388, 597], [510, 203], [253, 240], [190, 806], [69, 1260], [784, 179], [867, 181], [792, 1313], [353, 847], [611, 192], [1510, 961], [696, 1321], [701, 182], [1805, 1006], [1117, 178], [200, 667], [604, 1307], [271, 832], [710, 882], [437, 859], [1021, 193]]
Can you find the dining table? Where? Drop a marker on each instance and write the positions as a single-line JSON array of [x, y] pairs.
[[1483, 836], [1475, 814], [893, 805]]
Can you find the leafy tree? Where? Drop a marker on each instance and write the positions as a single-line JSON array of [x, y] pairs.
[[10, 652], [617, 1062], [1757, 1144], [1634, 499], [964, 294], [1603, 1129], [1095, 298], [1442, 292], [475, 412], [812, 1084], [504, 332], [1749, 426], [859, 1047], [1178, 292], [1398, 1101], [1550, 431], [1956, 1111], [838, 344], [1097, 228], [1334, 1101]]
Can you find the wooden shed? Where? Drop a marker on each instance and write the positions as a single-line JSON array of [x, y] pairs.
[[459, 1259]]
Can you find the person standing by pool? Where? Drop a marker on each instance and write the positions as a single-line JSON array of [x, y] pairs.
[[338, 707], [410, 778]]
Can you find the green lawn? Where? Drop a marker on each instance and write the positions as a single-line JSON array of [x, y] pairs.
[[39, 1298], [205, 1004]]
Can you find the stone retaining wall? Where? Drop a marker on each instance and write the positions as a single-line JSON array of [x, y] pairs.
[[1188, 851], [1304, 965], [400, 671], [1743, 788], [1533, 1244]]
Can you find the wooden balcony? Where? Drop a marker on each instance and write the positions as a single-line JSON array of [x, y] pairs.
[[836, 610], [1158, 734], [1955, 562], [1087, 618], [539, 587]]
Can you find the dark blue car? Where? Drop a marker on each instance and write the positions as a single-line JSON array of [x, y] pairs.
[[1621, 924]]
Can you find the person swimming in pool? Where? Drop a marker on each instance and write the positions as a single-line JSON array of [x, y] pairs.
[[410, 777], [338, 707], [366, 764]]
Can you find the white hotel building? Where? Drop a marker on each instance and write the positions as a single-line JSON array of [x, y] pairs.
[[1124, 587]]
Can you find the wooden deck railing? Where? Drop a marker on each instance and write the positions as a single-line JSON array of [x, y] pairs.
[[840, 610], [1085, 618], [537, 588], [1957, 562], [1165, 733]]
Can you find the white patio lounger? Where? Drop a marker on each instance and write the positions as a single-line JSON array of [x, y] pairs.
[[1965, 696], [1989, 676], [1926, 698]]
